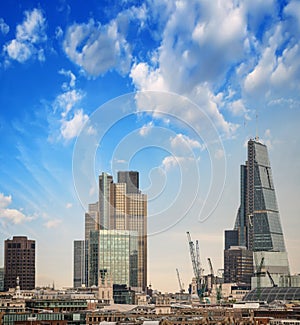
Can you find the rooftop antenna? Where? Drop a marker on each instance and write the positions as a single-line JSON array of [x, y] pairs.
[[256, 125]]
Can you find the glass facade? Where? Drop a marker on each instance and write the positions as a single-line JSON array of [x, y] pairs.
[[258, 220], [79, 263], [117, 256], [117, 244], [266, 232]]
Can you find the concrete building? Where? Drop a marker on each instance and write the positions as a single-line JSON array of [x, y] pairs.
[[19, 262], [238, 265]]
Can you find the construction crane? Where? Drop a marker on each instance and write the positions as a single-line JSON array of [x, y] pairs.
[[258, 274], [179, 282], [211, 276], [271, 279], [195, 258]]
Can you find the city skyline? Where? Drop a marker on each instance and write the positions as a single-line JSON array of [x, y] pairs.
[[62, 64]]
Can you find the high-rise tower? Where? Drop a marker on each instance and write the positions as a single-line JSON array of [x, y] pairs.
[[19, 261], [257, 224], [118, 246], [79, 269]]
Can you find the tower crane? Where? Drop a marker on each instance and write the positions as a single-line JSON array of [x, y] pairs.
[[195, 258], [210, 267], [179, 282], [211, 275]]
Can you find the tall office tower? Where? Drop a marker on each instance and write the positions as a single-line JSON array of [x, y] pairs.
[[131, 179], [19, 261], [258, 222], [136, 214], [105, 204], [238, 265], [79, 269], [122, 214], [137, 221], [91, 223]]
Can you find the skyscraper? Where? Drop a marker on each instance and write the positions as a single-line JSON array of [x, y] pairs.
[[19, 261], [91, 223], [257, 224], [131, 179], [122, 210], [79, 264]]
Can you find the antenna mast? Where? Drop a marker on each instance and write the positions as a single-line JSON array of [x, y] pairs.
[[256, 125]]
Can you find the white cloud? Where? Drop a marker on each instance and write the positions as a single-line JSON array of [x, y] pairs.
[[33, 28], [58, 32], [195, 54], [170, 162], [237, 108], [184, 145], [97, 48], [72, 77], [69, 205], [52, 223], [18, 51], [293, 9], [66, 101], [5, 200], [91, 130], [71, 128], [29, 35], [275, 77], [11, 215], [4, 28], [145, 129], [219, 154]]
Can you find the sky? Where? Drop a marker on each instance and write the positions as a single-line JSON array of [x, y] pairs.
[[173, 89]]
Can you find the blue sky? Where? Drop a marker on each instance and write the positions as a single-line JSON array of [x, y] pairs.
[[69, 70]]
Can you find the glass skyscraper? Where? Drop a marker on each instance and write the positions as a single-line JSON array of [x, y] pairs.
[[117, 249], [257, 224], [117, 241], [258, 221]]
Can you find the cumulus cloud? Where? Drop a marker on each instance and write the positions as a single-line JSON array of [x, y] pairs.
[[66, 101], [71, 128], [275, 77], [195, 54], [4, 28], [237, 108], [224, 55], [183, 144], [97, 48], [29, 37], [11, 215], [171, 162], [54, 223], [145, 129]]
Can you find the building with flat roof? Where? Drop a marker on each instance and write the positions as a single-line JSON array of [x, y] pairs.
[[79, 263], [117, 244], [238, 265], [19, 262]]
